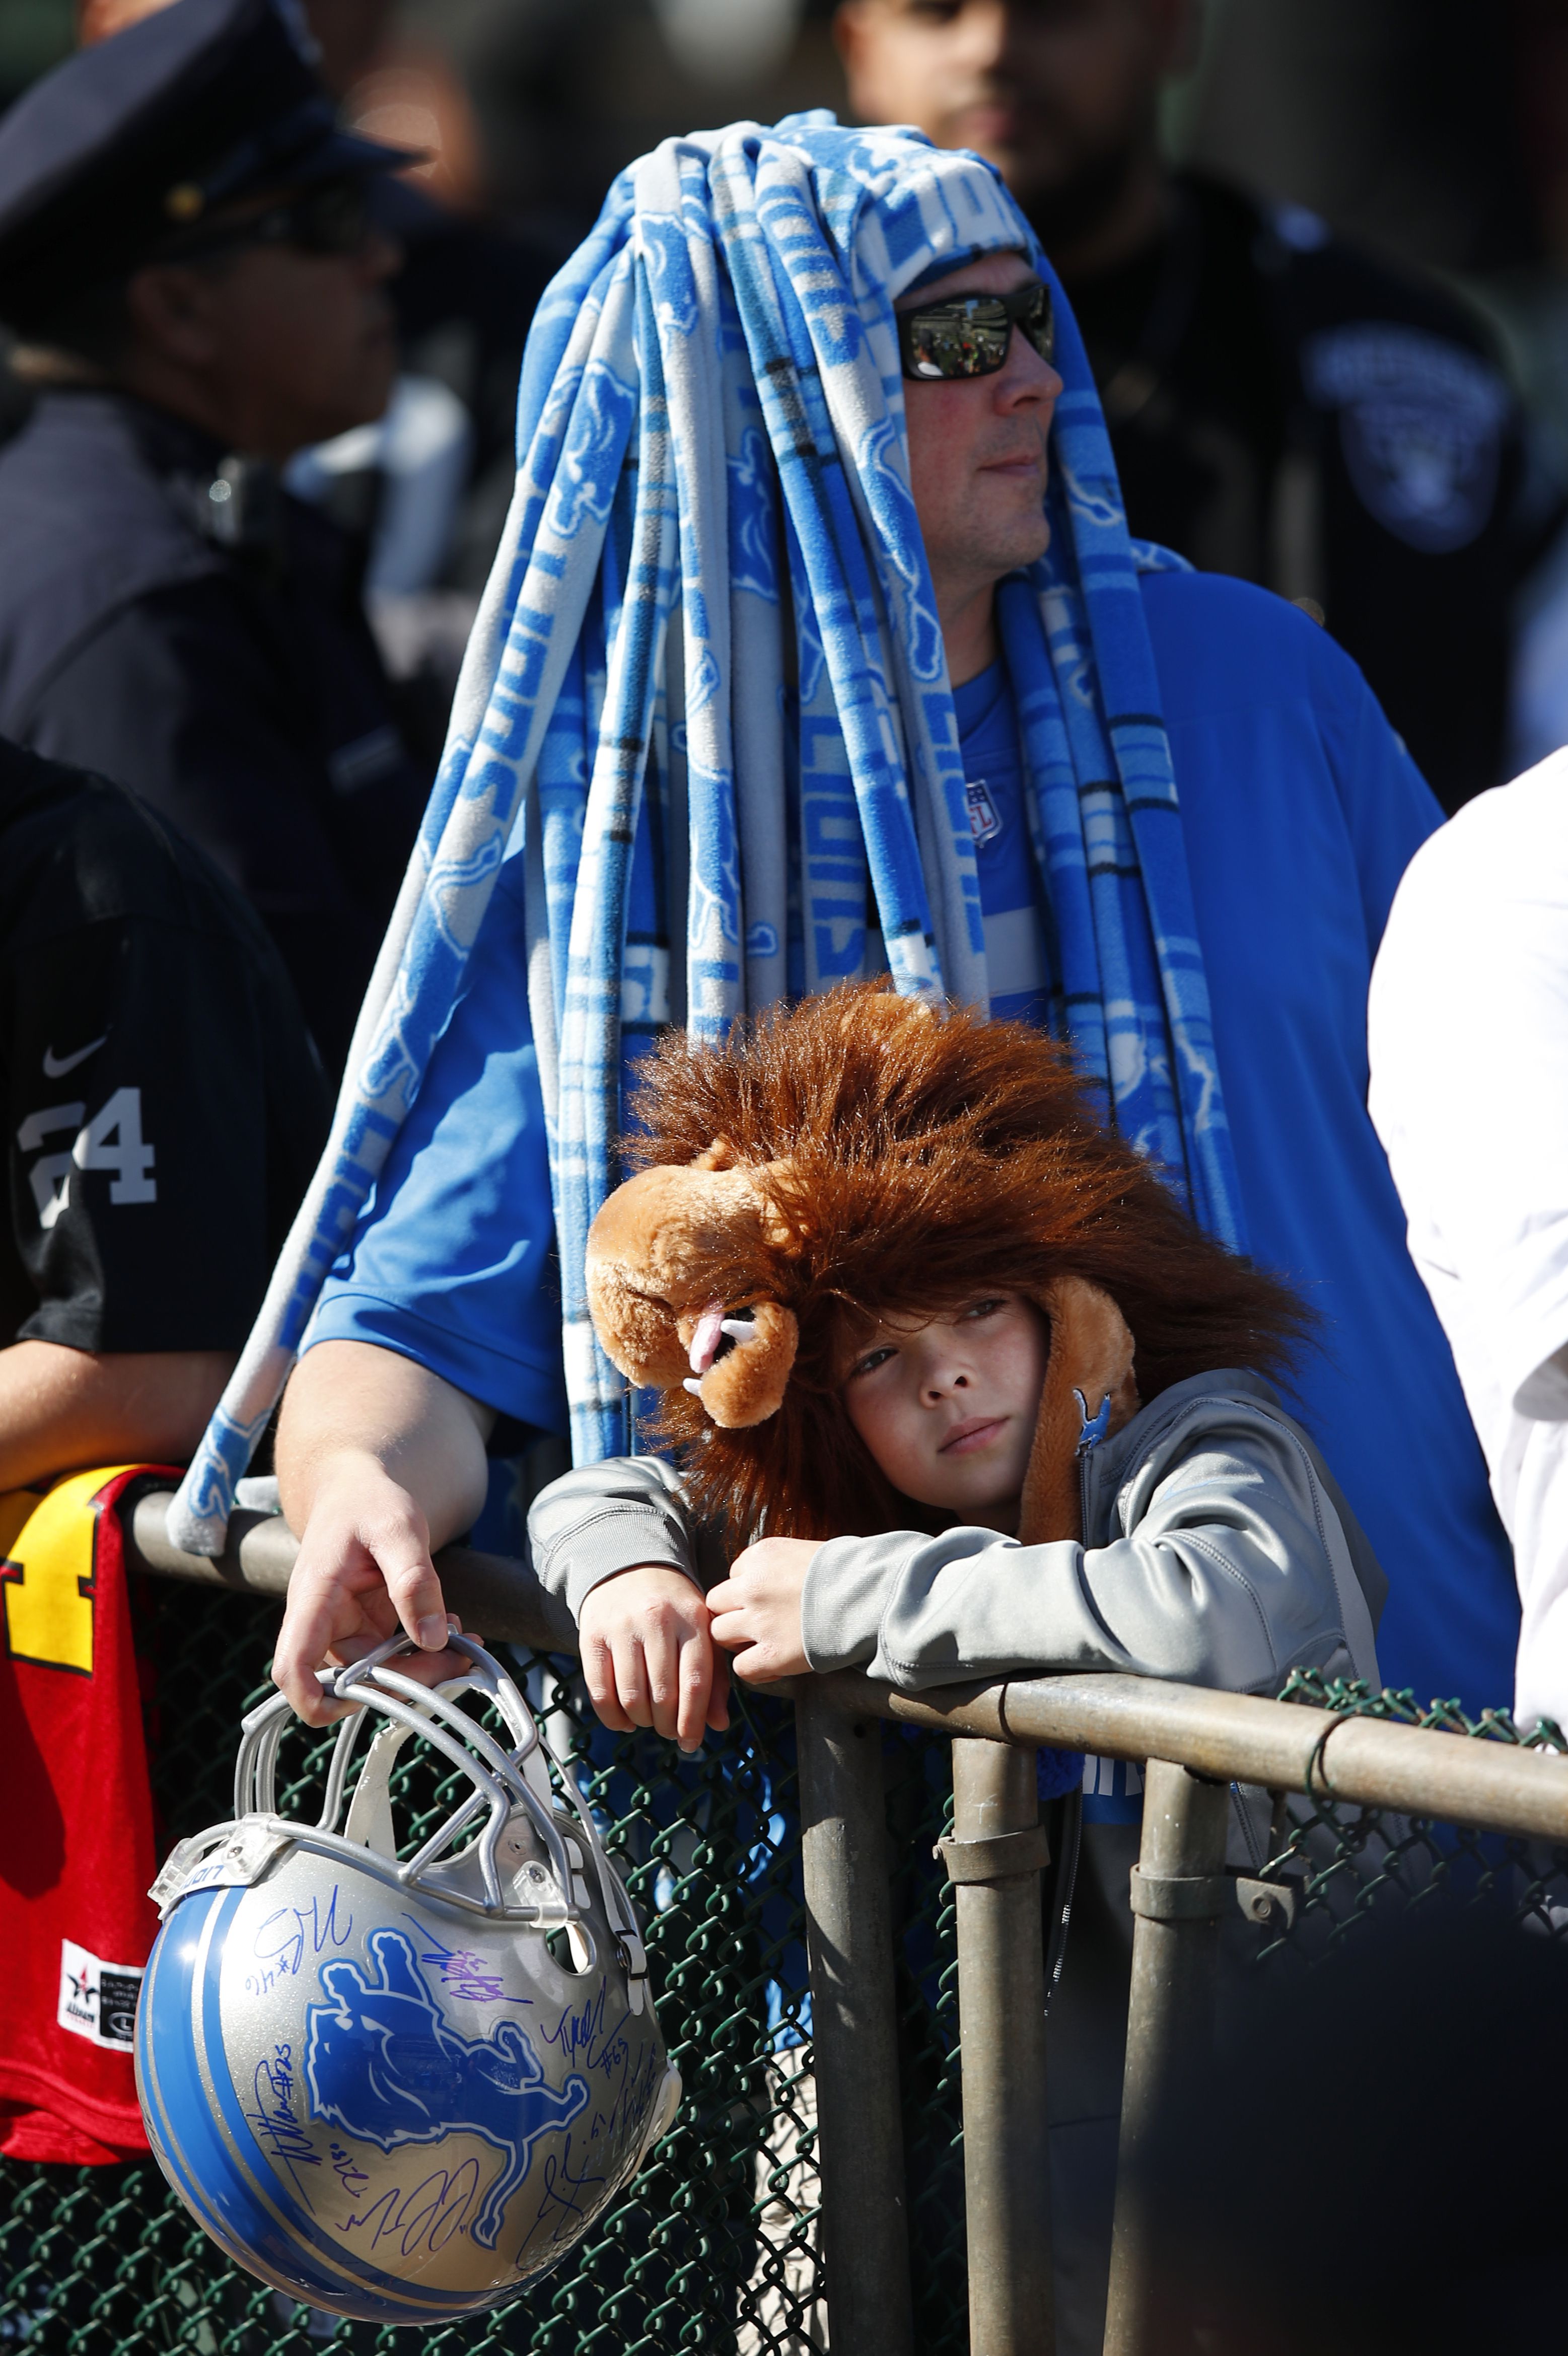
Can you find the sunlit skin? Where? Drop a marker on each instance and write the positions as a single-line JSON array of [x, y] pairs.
[[1061, 95], [947, 1410], [978, 468]]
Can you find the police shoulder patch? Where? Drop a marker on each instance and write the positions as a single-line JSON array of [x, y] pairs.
[[1421, 424]]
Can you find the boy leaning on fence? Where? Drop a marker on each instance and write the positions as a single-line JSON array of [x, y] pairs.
[[967, 1390], [956, 1390]]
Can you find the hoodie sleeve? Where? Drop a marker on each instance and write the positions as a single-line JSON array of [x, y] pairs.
[[609, 1517], [1223, 1573]]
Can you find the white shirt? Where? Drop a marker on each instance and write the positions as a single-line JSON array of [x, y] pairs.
[[1468, 1037]]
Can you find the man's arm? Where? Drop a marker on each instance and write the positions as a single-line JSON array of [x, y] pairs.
[[63, 1409], [379, 1462]]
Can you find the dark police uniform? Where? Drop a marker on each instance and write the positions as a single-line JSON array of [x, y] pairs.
[[167, 613], [164, 1107], [213, 655], [1285, 407]]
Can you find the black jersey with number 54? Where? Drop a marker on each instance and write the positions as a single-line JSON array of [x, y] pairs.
[[163, 1103]]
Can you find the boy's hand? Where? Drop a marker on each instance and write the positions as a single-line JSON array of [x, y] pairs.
[[647, 1657], [756, 1610]]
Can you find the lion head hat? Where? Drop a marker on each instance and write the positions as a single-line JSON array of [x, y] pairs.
[[861, 1155]]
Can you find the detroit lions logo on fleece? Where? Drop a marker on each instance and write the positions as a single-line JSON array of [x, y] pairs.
[[586, 479], [383, 2063], [753, 564]]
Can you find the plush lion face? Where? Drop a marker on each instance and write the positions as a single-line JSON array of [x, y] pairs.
[[651, 1260]]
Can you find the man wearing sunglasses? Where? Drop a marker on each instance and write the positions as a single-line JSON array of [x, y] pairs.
[[188, 257], [1297, 809], [977, 450]]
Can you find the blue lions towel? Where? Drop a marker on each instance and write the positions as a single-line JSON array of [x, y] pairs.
[[711, 462]]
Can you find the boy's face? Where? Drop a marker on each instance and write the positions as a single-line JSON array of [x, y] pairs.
[[948, 1408]]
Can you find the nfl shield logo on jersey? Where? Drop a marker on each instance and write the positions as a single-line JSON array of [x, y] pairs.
[[984, 820]]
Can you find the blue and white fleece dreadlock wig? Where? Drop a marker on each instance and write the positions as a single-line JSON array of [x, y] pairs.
[[712, 618]]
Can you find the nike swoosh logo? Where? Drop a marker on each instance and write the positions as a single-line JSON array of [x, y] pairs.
[[56, 1068]]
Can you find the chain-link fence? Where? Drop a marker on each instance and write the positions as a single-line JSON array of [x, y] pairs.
[[1352, 1868], [715, 2246]]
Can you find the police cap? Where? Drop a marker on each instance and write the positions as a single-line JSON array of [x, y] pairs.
[[145, 135]]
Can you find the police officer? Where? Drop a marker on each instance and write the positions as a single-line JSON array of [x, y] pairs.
[[464, 298], [188, 256], [1281, 405]]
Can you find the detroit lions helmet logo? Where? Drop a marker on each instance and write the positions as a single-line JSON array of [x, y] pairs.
[[382, 2063]]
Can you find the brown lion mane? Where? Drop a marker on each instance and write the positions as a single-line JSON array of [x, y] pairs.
[[927, 1158]]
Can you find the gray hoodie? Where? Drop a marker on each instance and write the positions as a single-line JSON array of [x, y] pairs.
[[1217, 1550]]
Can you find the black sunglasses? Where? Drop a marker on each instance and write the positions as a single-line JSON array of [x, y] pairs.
[[333, 218], [968, 335]]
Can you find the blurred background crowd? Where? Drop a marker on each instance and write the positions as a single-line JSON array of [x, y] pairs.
[[1432, 135]]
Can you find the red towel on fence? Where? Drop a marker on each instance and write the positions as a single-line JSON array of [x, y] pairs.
[[76, 1824]]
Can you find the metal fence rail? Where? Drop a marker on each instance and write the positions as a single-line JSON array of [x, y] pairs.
[[827, 2094]]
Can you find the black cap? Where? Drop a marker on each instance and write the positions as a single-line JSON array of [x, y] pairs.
[[144, 135]]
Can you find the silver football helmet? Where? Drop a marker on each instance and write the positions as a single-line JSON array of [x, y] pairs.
[[400, 2089]]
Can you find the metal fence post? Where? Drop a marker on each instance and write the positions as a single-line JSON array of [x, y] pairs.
[[994, 1857], [1180, 1892], [849, 1939]]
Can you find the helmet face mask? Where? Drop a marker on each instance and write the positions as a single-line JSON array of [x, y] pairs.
[[398, 2089]]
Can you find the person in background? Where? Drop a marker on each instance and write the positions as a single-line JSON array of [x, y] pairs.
[[164, 1109], [163, 1105], [1469, 1034], [433, 487], [1282, 404], [188, 253]]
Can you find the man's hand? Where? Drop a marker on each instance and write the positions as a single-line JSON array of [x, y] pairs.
[[647, 1657], [364, 1572], [756, 1610], [379, 1462]]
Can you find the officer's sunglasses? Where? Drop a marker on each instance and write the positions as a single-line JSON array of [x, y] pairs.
[[333, 218], [968, 335]]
